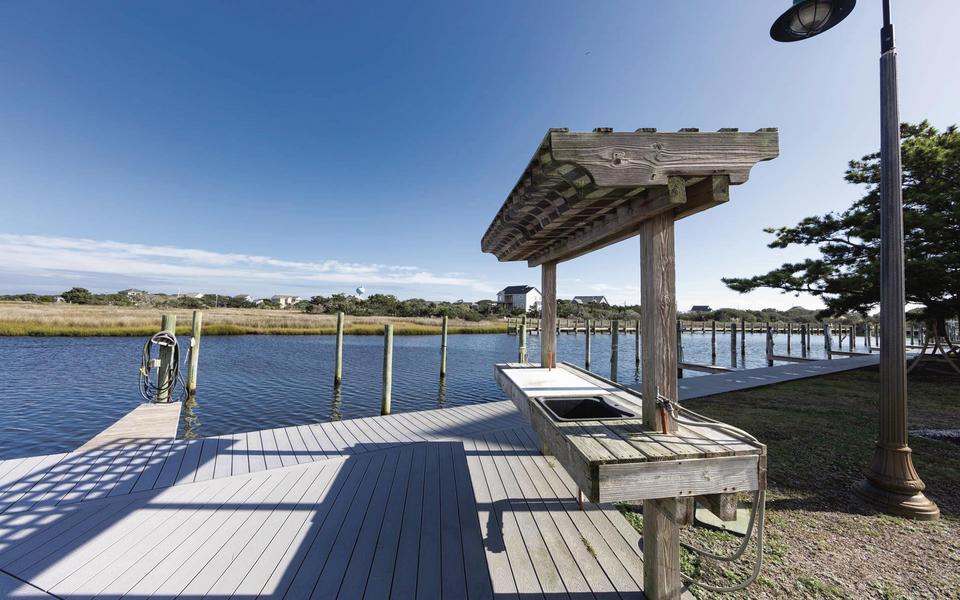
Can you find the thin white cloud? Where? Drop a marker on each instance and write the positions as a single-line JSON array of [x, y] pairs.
[[173, 267]]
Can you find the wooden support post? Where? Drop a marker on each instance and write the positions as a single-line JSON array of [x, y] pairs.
[[661, 532], [713, 342], [789, 332], [867, 338], [913, 330], [661, 549], [194, 353], [443, 347], [614, 348], [548, 335], [658, 297], [387, 369], [522, 340], [338, 353], [851, 333], [586, 349], [804, 339], [168, 324]]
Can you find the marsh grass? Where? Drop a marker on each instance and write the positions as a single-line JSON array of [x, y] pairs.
[[24, 319]]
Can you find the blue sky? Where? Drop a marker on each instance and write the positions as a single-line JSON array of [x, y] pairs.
[[308, 147]]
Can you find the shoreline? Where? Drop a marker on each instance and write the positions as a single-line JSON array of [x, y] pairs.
[[39, 329]]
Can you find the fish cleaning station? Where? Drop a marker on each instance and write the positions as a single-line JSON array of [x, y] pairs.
[[582, 192]]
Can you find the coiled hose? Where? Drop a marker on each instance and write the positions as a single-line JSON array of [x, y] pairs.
[[150, 389]]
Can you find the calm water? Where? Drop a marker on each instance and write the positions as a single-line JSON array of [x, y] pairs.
[[56, 393]]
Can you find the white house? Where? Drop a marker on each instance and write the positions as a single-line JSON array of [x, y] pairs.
[[591, 300], [285, 301], [523, 297]]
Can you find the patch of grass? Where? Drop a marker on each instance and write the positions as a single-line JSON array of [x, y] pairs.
[[589, 548], [812, 587], [887, 590]]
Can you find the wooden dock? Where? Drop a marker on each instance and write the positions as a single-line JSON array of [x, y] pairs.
[[152, 421], [451, 503]]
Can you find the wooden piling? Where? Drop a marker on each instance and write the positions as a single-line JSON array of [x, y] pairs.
[[789, 332], [679, 350], [387, 368], [827, 341], [522, 340], [743, 338], [194, 353], [769, 346], [867, 337], [443, 347], [636, 342], [804, 339], [338, 353], [614, 350], [169, 324], [713, 342], [733, 344], [586, 334]]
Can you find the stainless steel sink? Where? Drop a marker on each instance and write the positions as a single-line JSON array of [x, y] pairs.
[[583, 408]]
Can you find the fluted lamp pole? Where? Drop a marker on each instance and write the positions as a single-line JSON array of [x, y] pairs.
[[892, 484]]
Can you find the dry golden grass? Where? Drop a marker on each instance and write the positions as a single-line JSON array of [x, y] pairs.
[[20, 318]]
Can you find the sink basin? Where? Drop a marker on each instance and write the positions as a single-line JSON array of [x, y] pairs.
[[583, 408]]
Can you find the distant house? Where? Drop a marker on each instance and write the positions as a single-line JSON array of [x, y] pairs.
[[522, 297], [285, 301], [132, 292], [700, 308], [197, 295], [591, 300], [245, 298]]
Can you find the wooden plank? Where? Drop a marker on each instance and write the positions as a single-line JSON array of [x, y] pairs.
[[271, 449], [525, 577], [284, 447], [478, 581], [223, 459], [258, 461], [196, 556], [453, 576], [190, 462], [560, 558], [498, 564], [347, 571], [600, 566], [240, 461], [404, 576], [172, 463], [148, 422], [208, 459], [598, 519], [671, 479], [356, 486], [223, 572], [27, 476], [150, 475], [270, 547]]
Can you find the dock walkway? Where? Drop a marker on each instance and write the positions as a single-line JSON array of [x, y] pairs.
[[721, 383], [450, 503]]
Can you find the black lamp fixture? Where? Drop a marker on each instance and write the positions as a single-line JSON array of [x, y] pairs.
[[807, 18]]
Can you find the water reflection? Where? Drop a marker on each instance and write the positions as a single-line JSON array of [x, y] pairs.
[[189, 419], [442, 394], [335, 409]]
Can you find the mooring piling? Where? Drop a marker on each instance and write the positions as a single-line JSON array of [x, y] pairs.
[[614, 342], [194, 353], [387, 368], [636, 342], [522, 340], [443, 347], [769, 346], [586, 351], [338, 361], [713, 342], [164, 384]]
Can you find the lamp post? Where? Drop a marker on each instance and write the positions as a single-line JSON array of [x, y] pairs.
[[892, 483]]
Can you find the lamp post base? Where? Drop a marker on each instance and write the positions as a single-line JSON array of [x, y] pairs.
[[892, 486]]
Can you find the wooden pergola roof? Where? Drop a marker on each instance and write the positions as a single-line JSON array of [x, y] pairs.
[[582, 191]]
